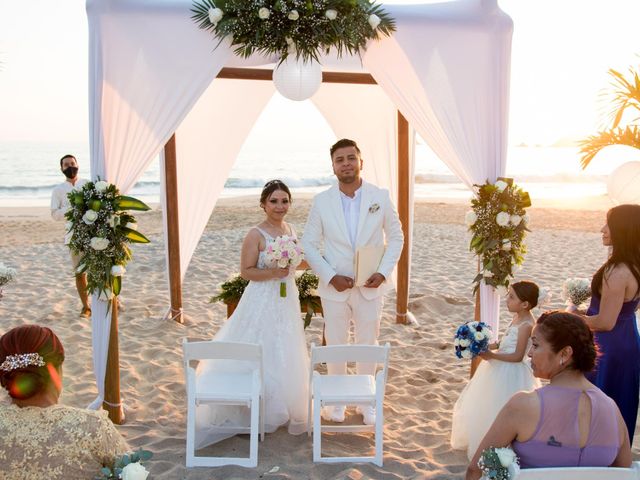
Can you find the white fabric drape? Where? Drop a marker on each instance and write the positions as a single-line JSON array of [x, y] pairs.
[[207, 144]]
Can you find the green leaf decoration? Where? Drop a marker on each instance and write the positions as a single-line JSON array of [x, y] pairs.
[[129, 203], [134, 235], [117, 285]]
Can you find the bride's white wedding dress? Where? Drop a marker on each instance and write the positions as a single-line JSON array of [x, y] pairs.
[[266, 318]]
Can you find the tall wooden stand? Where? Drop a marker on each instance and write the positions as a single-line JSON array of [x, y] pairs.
[[476, 316], [112, 376], [402, 290], [173, 231]]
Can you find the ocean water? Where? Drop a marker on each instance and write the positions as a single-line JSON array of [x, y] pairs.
[[29, 171]]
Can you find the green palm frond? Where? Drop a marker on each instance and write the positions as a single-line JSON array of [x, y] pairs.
[[625, 95], [590, 146]]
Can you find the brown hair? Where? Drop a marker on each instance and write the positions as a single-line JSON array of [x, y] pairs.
[[271, 187], [342, 143], [25, 382], [562, 329], [527, 292]]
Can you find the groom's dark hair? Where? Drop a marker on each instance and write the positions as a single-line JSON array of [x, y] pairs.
[[344, 142]]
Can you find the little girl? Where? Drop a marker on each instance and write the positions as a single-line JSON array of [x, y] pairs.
[[504, 373]]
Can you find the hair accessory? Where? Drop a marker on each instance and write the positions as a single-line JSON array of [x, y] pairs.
[[272, 182], [22, 360], [544, 297]]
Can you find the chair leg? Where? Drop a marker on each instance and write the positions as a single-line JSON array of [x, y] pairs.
[[309, 414], [379, 436], [262, 415], [191, 432], [255, 431], [317, 430]]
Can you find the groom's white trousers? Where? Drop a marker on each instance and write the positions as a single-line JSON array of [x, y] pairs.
[[365, 315]]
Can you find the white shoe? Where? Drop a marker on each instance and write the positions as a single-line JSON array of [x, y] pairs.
[[368, 414], [333, 413]]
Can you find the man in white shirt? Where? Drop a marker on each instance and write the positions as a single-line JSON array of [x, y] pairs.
[[59, 206], [348, 216]]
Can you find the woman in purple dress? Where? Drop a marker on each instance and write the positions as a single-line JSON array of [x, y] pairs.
[[611, 315], [569, 422]]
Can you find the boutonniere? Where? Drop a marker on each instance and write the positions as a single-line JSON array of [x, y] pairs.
[[374, 208]]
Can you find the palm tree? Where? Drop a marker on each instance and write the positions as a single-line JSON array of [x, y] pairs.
[[625, 95]]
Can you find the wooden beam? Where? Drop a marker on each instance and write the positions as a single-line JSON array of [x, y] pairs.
[[402, 290], [476, 316], [267, 74], [173, 232], [111, 401]]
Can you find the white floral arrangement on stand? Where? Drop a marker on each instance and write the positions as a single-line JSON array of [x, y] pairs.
[[7, 274], [101, 230], [303, 28], [576, 291], [498, 223]]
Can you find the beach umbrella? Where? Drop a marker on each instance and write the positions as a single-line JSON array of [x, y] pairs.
[[623, 185]]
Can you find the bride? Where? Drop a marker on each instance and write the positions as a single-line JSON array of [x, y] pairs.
[[264, 317]]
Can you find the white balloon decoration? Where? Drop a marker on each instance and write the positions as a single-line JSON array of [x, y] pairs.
[[297, 80], [623, 185]]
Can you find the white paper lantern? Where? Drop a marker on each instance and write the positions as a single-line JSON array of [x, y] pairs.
[[623, 185], [297, 80]]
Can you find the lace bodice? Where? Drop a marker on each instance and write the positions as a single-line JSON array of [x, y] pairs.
[[263, 260], [57, 442]]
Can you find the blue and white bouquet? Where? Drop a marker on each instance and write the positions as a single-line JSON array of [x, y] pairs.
[[471, 339], [498, 464]]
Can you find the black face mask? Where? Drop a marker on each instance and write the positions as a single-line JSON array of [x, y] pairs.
[[70, 172]]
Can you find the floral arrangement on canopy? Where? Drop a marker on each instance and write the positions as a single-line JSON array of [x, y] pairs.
[[498, 223], [101, 231]]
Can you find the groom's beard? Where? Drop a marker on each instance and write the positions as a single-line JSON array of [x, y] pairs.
[[348, 178]]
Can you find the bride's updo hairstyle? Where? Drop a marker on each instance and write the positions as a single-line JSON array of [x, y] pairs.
[[562, 329], [526, 292], [271, 187], [30, 359]]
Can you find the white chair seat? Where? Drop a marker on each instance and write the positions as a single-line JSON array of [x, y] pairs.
[[580, 473], [339, 389], [221, 386]]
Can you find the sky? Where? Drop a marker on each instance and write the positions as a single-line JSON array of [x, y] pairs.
[[561, 52]]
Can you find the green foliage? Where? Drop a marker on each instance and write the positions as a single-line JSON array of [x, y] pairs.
[[625, 96], [307, 37], [231, 291], [498, 222], [114, 472]]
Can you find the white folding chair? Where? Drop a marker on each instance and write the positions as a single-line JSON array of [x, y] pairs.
[[580, 473], [328, 390], [224, 388]]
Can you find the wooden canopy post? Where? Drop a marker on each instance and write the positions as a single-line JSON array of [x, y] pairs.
[[476, 316], [402, 290], [173, 232], [111, 401]]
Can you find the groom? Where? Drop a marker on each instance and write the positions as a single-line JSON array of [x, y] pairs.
[[347, 216]]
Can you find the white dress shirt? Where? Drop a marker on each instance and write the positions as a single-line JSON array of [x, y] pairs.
[[60, 202], [351, 210]]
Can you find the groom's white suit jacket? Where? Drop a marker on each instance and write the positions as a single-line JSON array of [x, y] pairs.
[[326, 243]]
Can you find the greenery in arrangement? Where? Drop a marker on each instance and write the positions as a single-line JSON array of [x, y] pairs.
[[101, 231], [128, 467], [303, 28], [231, 291], [498, 222], [498, 463], [625, 97]]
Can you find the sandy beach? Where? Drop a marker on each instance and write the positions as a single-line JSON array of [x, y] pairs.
[[425, 377]]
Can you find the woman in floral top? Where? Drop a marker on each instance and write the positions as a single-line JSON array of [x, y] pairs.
[[40, 439]]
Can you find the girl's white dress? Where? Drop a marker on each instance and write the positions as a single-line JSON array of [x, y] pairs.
[[487, 392], [266, 318]]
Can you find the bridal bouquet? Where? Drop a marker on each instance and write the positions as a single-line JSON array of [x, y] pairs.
[[576, 291], [471, 339], [7, 274], [285, 252], [498, 463], [127, 467]]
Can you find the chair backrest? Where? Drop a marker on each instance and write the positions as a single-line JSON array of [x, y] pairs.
[[350, 353], [215, 350]]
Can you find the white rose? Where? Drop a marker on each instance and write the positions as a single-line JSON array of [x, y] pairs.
[[264, 13], [506, 245], [479, 336], [134, 471], [293, 15], [374, 20], [101, 186], [464, 342], [515, 220], [500, 185], [331, 14], [89, 217], [470, 218], [131, 226], [99, 243], [456, 342], [502, 219], [466, 354], [117, 270], [506, 456], [105, 295], [215, 15], [283, 262]]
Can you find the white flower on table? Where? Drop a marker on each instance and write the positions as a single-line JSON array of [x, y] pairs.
[[293, 15], [331, 14], [89, 217], [101, 186], [134, 471], [374, 21], [500, 185], [470, 218], [215, 15], [502, 219], [99, 243], [264, 13]]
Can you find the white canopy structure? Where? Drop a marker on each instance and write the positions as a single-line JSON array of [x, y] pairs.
[[153, 73]]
